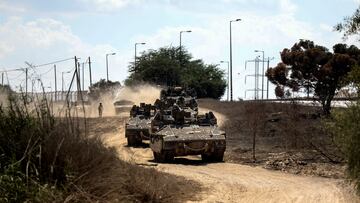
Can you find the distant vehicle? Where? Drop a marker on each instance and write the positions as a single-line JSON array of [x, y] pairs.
[[175, 92], [177, 132], [123, 106], [137, 128]]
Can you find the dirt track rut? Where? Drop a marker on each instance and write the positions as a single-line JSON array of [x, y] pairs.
[[226, 182]]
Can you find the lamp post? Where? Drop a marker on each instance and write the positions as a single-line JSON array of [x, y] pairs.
[[231, 86], [263, 67], [141, 43], [62, 83], [267, 81], [228, 80], [188, 31], [107, 65], [180, 47], [50, 96]]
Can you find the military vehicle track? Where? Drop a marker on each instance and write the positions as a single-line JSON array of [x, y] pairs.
[[226, 182]]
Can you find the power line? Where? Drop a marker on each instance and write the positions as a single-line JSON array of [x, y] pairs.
[[54, 62], [16, 77], [41, 65], [12, 70], [48, 71]]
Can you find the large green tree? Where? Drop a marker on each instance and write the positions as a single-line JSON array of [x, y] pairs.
[[171, 66], [315, 69]]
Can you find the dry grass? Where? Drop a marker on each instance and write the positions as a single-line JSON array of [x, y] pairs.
[[297, 142], [53, 160]]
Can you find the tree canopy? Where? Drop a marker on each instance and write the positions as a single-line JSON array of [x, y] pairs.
[[170, 66], [314, 68], [350, 25]]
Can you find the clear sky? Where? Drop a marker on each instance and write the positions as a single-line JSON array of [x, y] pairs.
[[40, 31]]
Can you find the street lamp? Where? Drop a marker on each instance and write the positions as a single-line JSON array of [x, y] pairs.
[[188, 31], [263, 67], [62, 79], [267, 81], [228, 75], [141, 43], [62, 83], [180, 51], [107, 65], [231, 81]]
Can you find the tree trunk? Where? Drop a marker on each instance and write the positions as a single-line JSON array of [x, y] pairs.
[[327, 105], [323, 105], [327, 108]]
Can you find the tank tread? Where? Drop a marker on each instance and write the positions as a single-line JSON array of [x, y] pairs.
[[163, 156], [216, 156], [133, 141]]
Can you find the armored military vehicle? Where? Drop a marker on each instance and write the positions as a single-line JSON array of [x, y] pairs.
[[185, 99], [123, 106], [174, 92], [137, 128], [175, 132]]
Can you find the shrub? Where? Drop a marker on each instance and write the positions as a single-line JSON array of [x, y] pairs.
[[50, 159], [346, 129]]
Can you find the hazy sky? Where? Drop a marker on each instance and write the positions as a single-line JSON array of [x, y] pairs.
[[41, 31]]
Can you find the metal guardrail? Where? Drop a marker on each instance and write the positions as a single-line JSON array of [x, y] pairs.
[[58, 96]]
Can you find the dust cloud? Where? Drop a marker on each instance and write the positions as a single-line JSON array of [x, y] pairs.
[[137, 94], [142, 93]]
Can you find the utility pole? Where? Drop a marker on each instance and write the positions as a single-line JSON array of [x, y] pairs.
[[83, 76], [55, 83], [262, 75], [77, 78], [26, 84], [90, 71], [267, 81], [231, 81], [2, 78], [79, 72], [62, 83]]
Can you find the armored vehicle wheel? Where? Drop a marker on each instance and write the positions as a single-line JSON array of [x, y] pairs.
[[132, 141], [206, 157], [163, 157], [216, 156]]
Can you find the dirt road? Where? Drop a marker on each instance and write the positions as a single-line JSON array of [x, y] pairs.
[[226, 182]]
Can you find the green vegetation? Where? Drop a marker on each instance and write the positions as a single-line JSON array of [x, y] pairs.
[[172, 66], [48, 159], [315, 69], [350, 25], [346, 128], [346, 122]]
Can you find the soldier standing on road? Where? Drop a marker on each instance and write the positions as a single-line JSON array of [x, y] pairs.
[[100, 108]]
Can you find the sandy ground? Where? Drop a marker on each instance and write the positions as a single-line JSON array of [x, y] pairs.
[[227, 182]]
